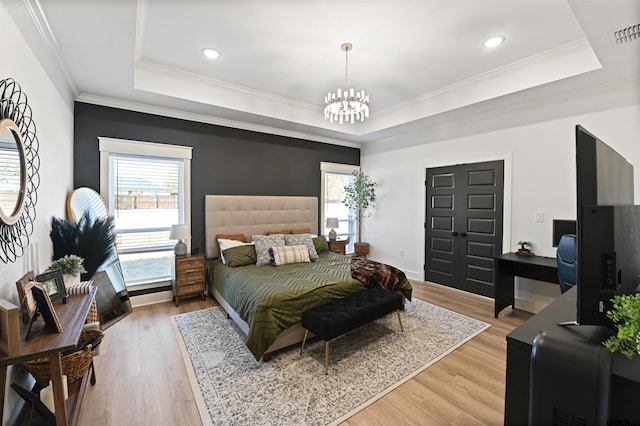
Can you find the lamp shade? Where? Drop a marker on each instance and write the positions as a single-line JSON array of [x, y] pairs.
[[179, 232], [332, 222]]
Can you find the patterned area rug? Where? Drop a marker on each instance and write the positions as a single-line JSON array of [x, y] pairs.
[[292, 389]]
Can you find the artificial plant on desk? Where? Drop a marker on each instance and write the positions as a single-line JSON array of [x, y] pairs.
[[71, 267]]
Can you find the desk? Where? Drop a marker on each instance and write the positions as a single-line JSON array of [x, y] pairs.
[[43, 343], [510, 265], [625, 383]]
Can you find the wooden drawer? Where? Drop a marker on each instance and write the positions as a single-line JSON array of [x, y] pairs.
[[190, 289], [190, 263], [191, 275]]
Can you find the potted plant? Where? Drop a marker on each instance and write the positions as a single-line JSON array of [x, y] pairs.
[[626, 315], [359, 197], [525, 248], [71, 267]]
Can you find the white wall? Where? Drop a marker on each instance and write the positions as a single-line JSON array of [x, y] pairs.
[[53, 117], [539, 176]]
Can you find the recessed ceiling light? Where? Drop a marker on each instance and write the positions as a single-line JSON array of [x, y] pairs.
[[493, 42], [210, 53]]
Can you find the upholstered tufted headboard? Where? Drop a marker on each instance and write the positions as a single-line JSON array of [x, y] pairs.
[[252, 215]]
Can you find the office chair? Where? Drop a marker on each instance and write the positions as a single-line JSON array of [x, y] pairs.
[[566, 255]]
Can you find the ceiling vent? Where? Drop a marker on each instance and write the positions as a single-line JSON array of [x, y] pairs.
[[625, 35]]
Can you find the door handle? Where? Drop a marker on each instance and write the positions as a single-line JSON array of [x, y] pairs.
[[463, 234], [454, 233]]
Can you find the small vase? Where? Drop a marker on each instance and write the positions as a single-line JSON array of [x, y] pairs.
[[71, 280]]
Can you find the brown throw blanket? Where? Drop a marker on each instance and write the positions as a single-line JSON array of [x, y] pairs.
[[374, 274]]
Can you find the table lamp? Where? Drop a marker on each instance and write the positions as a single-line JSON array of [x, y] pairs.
[[332, 222], [180, 232]]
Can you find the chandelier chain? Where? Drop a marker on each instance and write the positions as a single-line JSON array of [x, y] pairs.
[[346, 69]]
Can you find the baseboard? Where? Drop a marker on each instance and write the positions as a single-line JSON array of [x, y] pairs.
[[151, 298]]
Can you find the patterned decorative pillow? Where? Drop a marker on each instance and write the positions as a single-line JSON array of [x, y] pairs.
[[321, 244], [263, 243], [240, 255], [225, 244], [288, 254], [302, 239]]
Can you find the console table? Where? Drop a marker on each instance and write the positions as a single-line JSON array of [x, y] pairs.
[[510, 265], [625, 382], [43, 343]]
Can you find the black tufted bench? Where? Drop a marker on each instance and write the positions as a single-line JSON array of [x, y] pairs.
[[343, 315]]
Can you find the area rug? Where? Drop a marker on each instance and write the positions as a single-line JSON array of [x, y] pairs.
[[232, 388]]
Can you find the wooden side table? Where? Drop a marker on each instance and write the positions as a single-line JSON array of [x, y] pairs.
[[190, 276], [42, 342], [338, 246]]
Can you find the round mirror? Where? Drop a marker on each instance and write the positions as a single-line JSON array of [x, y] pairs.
[[86, 200], [13, 175]]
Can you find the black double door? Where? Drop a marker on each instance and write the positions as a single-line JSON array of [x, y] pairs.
[[464, 225]]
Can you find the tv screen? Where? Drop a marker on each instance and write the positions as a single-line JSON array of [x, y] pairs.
[[607, 262], [561, 227]]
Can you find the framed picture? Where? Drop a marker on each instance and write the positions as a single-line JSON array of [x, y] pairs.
[[53, 283], [27, 302], [46, 308]]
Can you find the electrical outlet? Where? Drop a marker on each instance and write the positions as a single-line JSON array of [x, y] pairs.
[[539, 217], [401, 253]]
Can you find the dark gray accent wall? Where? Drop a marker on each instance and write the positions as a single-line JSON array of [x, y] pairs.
[[225, 161]]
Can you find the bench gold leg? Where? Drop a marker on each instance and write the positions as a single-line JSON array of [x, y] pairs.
[[306, 333], [326, 357], [400, 319]]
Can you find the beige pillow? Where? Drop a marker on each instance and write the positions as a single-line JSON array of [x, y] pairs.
[[302, 239], [282, 255]]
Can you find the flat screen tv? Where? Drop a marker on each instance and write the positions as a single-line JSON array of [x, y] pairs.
[[608, 228]]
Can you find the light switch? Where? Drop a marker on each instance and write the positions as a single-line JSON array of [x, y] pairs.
[[539, 217]]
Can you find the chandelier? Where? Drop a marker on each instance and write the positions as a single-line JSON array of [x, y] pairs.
[[346, 105]]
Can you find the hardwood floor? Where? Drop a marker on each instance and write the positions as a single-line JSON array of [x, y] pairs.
[[141, 379]]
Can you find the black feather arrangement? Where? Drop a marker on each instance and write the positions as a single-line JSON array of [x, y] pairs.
[[91, 239]]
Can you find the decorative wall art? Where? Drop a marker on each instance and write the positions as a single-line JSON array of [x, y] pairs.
[[19, 178]]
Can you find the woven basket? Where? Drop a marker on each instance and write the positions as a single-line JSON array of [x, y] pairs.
[[74, 365], [92, 316]]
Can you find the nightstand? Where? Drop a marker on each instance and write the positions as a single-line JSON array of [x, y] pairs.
[[190, 276], [338, 246]]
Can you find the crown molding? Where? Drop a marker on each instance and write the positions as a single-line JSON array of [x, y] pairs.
[[217, 121], [619, 89], [41, 24]]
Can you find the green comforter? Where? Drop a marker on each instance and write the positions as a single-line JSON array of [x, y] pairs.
[[271, 299]]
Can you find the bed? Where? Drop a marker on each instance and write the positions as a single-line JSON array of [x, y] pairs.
[[265, 301]]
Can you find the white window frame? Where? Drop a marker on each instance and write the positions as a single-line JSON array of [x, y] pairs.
[[326, 167], [109, 146]]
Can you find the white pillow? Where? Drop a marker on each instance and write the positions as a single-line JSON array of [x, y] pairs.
[[226, 244], [282, 255]]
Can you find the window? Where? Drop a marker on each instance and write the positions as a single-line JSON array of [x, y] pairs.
[[334, 178], [146, 186]]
